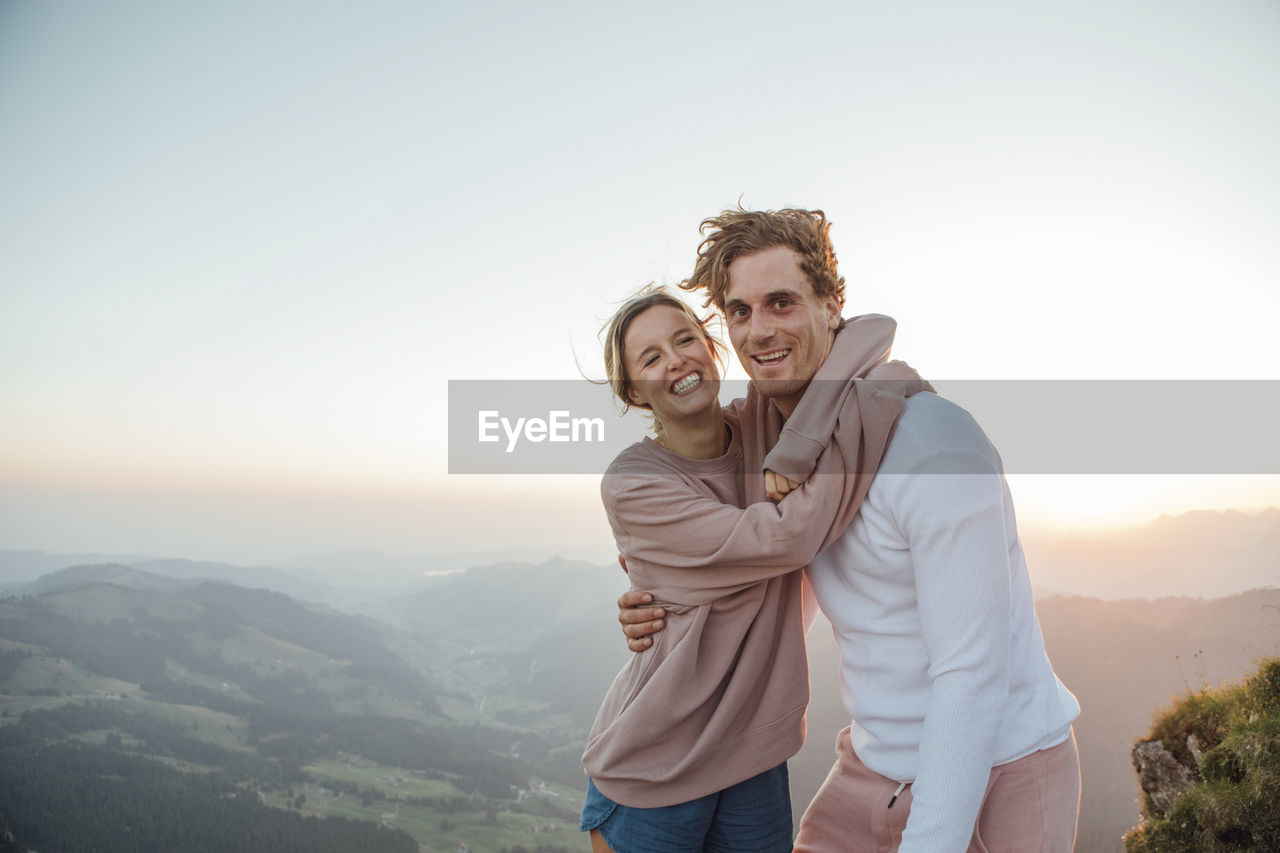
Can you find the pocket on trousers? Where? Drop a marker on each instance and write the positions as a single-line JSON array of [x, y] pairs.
[[597, 809]]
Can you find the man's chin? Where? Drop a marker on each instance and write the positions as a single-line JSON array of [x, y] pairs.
[[778, 387]]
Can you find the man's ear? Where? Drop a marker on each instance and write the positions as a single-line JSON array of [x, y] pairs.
[[833, 312]]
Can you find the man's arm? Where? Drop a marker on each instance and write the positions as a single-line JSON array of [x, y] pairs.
[[951, 510], [638, 619]]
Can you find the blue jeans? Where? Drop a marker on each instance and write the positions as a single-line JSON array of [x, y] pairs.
[[750, 817]]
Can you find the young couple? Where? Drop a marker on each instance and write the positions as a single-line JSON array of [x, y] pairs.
[[895, 502]]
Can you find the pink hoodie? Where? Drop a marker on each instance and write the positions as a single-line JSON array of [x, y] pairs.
[[721, 695]]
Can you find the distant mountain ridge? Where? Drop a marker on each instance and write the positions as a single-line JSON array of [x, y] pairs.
[[110, 573], [25, 566], [1199, 553], [340, 567], [174, 575], [25, 569], [1203, 554]]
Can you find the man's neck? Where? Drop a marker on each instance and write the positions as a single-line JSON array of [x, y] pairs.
[[786, 405]]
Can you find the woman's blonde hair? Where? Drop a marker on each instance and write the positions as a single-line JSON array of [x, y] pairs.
[[615, 333]]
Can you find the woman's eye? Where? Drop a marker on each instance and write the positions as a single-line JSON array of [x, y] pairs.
[[650, 361]]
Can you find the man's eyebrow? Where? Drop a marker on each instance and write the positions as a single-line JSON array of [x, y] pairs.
[[780, 293]]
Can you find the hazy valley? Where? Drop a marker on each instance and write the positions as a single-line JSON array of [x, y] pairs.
[[179, 701]]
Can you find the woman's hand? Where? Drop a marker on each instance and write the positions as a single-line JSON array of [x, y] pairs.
[[777, 486], [638, 620]]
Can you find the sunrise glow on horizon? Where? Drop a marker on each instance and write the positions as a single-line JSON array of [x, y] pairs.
[[248, 246]]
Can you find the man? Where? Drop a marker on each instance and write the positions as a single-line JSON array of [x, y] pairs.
[[961, 733]]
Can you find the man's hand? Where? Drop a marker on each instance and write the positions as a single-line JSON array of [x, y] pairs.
[[638, 620], [777, 486]]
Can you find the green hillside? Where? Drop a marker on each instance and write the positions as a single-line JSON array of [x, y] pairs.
[[1229, 741], [211, 717]]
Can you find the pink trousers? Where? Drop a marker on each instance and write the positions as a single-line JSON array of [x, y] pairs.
[[1031, 806]]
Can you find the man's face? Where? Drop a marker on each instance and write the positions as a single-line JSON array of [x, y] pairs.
[[780, 329]]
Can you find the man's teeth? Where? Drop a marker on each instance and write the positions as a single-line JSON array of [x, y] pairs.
[[688, 382], [773, 356]]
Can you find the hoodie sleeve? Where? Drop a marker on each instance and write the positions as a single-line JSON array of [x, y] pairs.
[[864, 342], [689, 548], [859, 351]]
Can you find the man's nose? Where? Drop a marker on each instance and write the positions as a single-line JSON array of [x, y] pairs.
[[761, 328]]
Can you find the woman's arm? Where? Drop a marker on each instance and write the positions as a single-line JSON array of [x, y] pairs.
[[863, 343], [665, 528], [859, 351]]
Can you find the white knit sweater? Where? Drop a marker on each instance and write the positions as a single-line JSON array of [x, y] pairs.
[[943, 665]]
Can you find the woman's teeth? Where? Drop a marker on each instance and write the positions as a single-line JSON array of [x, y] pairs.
[[686, 383]]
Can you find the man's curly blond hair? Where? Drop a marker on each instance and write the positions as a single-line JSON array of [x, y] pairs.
[[738, 232]]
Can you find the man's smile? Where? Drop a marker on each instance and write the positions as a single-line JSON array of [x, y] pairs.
[[772, 357]]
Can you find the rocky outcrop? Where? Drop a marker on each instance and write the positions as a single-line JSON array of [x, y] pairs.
[[1161, 776]]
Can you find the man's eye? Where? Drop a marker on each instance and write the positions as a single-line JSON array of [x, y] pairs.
[[782, 303], [738, 313]]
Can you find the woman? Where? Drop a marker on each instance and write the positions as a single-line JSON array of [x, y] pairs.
[[689, 748]]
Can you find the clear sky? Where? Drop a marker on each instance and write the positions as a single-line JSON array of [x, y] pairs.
[[246, 244]]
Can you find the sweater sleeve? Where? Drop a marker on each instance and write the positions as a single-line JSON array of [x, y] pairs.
[[691, 548], [860, 346], [951, 511]]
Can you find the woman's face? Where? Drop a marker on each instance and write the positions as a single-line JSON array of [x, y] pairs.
[[670, 364]]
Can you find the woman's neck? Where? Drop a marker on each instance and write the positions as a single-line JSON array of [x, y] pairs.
[[700, 436]]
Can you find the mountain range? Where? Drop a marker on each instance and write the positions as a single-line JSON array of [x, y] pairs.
[[452, 708], [1197, 554]]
